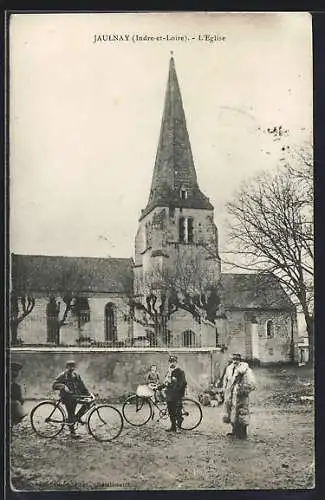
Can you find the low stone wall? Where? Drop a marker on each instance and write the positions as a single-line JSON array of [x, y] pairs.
[[113, 373]]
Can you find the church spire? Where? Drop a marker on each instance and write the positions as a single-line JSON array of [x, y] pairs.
[[174, 181]]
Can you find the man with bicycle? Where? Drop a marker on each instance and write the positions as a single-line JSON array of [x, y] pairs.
[[72, 388], [175, 383]]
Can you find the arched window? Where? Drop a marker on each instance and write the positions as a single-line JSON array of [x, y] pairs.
[[186, 230], [269, 329], [148, 234], [188, 338], [80, 310], [110, 322]]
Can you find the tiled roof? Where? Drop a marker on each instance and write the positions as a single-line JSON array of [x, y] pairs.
[[40, 273], [174, 166], [254, 291]]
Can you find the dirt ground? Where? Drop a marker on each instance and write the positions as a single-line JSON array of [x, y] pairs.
[[279, 452]]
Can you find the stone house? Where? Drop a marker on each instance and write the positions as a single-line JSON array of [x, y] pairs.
[[173, 293], [261, 320]]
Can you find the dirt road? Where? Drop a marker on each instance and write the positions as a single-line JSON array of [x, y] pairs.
[[278, 454]]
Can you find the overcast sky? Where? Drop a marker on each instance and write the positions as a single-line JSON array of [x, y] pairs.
[[85, 116]]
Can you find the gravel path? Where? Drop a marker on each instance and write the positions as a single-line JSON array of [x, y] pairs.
[[278, 454]]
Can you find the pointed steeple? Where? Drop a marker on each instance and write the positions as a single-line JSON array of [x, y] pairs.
[[174, 181]]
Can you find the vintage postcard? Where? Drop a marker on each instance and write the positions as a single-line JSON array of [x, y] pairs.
[[161, 251]]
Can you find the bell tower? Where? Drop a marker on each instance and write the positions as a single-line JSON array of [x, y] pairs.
[[177, 222]]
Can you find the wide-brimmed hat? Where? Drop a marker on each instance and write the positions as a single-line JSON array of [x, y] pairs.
[[237, 355]]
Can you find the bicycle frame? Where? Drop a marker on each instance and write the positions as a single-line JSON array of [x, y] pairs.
[[153, 402], [60, 404], [96, 418], [62, 407]]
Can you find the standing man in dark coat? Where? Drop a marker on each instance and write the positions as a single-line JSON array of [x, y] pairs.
[[71, 388], [175, 390], [18, 411]]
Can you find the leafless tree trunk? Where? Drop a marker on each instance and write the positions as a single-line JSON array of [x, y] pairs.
[[270, 229], [21, 307], [187, 285]]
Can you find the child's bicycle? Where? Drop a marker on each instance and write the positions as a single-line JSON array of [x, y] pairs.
[[139, 408], [104, 422]]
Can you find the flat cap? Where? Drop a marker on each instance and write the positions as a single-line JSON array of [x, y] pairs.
[[70, 362]]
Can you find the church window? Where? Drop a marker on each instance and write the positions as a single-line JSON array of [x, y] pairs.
[[186, 230], [190, 230], [148, 235], [80, 310], [269, 329], [110, 322], [188, 338], [182, 229], [183, 194]]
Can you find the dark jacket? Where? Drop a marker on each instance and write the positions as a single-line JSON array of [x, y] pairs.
[[16, 392], [73, 381], [176, 388]]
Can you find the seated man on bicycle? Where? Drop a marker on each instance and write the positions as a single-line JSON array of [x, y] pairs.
[[175, 383], [72, 389]]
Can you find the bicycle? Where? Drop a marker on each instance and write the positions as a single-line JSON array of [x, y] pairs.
[[138, 410], [104, 422]]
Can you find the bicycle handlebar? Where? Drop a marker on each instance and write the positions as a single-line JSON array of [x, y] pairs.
[[83, 397], [90, 396]]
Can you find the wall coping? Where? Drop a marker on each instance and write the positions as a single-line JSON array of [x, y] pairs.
[[116, 349]]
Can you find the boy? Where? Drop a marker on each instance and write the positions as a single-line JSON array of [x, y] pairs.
[[153, 377], [153, 381]]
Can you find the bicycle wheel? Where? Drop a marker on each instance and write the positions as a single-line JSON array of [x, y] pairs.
[[191, 413], [137, 411], [47, 419], [105, 422]]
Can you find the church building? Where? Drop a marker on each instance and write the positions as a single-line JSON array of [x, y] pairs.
[[173, 292]]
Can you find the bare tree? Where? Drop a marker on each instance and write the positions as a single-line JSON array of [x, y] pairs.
[[270, 230], [21, 307], [69, 284], [186, 284]]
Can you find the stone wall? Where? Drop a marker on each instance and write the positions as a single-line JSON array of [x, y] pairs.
[[277, 348], [113, 373], [181, 321], [270, 350], [33, 329]]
